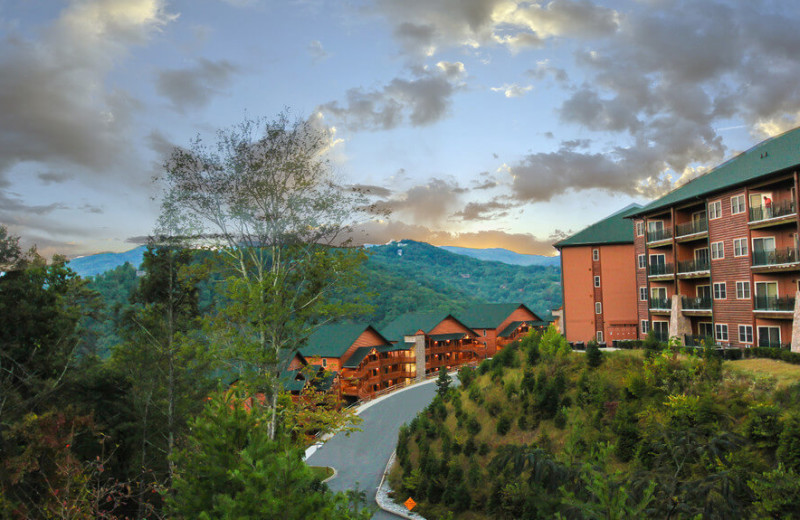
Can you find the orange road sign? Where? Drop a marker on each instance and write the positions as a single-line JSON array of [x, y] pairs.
[[409, 503]]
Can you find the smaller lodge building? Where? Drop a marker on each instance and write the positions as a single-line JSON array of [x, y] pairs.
[[498, 324]]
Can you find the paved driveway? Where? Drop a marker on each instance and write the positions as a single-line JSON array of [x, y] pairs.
[[361, 458]]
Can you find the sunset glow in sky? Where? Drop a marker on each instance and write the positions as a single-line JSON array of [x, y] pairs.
[[480, 123]]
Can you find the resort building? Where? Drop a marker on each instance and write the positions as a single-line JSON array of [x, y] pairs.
[[718, 256], [498, 324], [444, 339], [599, 282], [365, 361]]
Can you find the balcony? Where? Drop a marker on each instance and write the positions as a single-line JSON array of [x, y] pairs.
[[694, 269], [660, 305], [691, 230], [659, 235], [778, 260], [778, 213], [696, 304], [660, 270], [774, 304]]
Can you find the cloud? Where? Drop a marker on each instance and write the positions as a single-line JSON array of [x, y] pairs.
[[421, 101], [53, 177], [317, 51], [54, 105], [513, 90], [381, 232], [369, 189], [495, 208], [422, 26], [544, 69], [193, 87], [429, 203]]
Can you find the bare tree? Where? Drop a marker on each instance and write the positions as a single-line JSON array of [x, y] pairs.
[[264, 196]]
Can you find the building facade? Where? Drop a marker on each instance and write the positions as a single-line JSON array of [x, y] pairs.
[[718, 257], [498, 324], [598, 281]]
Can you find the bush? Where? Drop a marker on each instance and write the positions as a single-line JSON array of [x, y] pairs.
[[473, 426], [560, 420], [466, 376], [522, 422], [593, 355], [503, 425], [789, 444]]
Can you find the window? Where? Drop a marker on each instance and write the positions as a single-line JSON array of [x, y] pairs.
[[642, 294], [717, 250], [599, 336], [598, 308], [721, 331], [645, 326], [639, 229], [324, 362], [720, 292], [655, 225], [597, 281], [705, 329], [595, 254], [743, 291], [737, 204], [714, 209], [769, 336], [745, 333], [740, 247], [661, 328], [642, 261], [658, 293]]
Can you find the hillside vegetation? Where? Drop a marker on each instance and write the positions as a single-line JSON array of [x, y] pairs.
[[540, 431]]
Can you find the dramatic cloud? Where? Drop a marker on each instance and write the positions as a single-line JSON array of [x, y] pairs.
[[429, 203], [495, 208], [422, 26], [421, 101], [193, 87], [381, 232], [54, 107], [513, 90]]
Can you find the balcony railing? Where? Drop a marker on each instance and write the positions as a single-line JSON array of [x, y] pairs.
[[778, 209], [775, 344], [690, 228], [659, 234], [789, 255], [773, 303], [660, 303], [660, 269], [693, 266], [696, 304]]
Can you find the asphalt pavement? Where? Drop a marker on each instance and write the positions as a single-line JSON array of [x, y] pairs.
[[361, 457]]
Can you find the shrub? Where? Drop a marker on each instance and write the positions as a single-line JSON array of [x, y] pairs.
[[553, 345], [503, 425], [560, 420], [522, 422], [466, 376], [483, 449], [473, 426], [763, 426], [789, 443], [593, 355]]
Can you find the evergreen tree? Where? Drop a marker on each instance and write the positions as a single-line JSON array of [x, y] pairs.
[[443, 382]]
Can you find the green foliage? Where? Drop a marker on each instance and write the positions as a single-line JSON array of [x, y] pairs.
[[763, 425], [594, 358], [230, 468], [553, 345], [443, 382], [777, 493], [789, 444], [503, 425]]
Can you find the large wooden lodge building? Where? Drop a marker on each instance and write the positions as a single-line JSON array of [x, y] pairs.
[[366, 361], [717, 257]]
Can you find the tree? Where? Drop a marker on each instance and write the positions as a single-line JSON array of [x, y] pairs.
[[265, 197], [594, 358], [443, 382]]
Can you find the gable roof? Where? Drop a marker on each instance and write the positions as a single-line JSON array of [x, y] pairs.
[[333, 339], [614, 229], [767, 157], [489, 315], [411, 322]]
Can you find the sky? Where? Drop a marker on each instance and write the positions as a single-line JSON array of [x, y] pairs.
[[479, 123]]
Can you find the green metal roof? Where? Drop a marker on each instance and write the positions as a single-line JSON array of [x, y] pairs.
[[489, 315], [614, 229], [357, 357], [512, 326], [333, 340], [447, 337], [776, 154], [409, 323]]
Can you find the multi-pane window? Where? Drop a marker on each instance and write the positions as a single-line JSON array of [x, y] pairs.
[[599, 336], [742, 290], [745, 333], [717, 250], [642, 261], [714, 209], [645, 326], [737, 204], [720, 291], [740, 246], [721, 331], [595, 254], [598, 308], [643, 294], [639, 229], [597, 281]]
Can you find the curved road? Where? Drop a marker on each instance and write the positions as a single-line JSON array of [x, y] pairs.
[[361, 458]]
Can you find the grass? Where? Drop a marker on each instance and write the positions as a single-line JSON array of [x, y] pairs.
[[784, 373], [322, 472]]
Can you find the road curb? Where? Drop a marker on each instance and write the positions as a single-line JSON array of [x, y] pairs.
[[386, 503]]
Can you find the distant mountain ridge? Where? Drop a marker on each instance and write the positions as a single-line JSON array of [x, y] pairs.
[[498, 254], [92, 265]]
